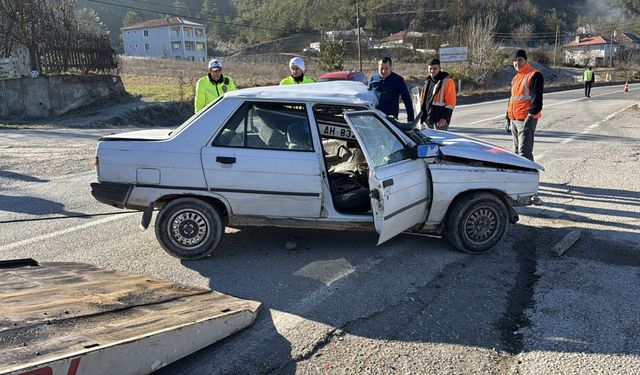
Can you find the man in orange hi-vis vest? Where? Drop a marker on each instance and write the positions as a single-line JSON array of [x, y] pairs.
[[525, 104], [437, 97]]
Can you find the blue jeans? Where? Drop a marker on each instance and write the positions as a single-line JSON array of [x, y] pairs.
[[523, 134]]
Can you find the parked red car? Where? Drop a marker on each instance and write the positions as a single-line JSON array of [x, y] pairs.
[[344, 76]]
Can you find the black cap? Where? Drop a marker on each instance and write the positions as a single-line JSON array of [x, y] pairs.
[[520, 53], [434, 61]]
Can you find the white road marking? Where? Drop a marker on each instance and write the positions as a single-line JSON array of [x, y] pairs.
[[546, 106], [62, 231]]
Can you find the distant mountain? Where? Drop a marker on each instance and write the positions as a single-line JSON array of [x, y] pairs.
[[247, 22]]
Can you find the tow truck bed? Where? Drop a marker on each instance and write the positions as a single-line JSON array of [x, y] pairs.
[[72, 318]]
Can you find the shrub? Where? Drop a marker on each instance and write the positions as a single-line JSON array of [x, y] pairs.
[[331, 56]]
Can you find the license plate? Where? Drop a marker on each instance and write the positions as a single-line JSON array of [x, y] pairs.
[[332, 131]]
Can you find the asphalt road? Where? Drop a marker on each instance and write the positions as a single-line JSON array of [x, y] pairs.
[[336, 303]]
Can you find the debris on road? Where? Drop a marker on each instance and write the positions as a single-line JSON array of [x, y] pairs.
[[561, 247]]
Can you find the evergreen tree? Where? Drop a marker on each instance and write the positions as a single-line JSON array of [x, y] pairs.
[[90, 23], [331, 56], [131, 18]]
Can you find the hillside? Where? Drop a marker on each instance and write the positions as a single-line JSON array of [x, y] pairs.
[[239, 23]]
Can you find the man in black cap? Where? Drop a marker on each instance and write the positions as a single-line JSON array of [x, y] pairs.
[[525, 105], [437, 97]]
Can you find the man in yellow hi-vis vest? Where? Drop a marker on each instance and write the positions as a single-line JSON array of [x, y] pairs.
[[212, 86], [588, 77], [296, 66]]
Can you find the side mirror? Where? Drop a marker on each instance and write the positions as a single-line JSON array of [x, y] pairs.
[[425, 151]]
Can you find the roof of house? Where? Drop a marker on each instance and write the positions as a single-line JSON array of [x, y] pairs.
[[161, 22], [588, 40], [401, 35], [633, 38]]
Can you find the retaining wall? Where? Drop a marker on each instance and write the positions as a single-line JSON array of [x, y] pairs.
[[31, 98]]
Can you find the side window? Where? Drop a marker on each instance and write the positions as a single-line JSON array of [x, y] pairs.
[[232, 134], [274, 126], [380, 144]]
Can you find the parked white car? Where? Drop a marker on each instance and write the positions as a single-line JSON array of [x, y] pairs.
[[311, 156]]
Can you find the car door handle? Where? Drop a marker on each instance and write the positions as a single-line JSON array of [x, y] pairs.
[[387, 183], [226, 159]]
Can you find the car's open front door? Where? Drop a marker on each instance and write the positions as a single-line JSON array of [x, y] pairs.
[[399, 186]]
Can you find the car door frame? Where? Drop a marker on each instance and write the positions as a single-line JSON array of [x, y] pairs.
[[264, 194], [400, 191]]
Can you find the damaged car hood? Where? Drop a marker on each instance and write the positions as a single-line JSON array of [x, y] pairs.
[[456, 145]]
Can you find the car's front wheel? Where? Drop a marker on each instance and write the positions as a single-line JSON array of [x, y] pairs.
[[477, 222], [189, 228]]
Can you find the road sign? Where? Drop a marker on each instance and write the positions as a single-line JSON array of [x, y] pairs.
[[451, 54]]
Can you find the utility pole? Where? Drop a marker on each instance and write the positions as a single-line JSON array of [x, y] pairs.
[[555, 47], [358, 27], [460, 22], [613, 33]]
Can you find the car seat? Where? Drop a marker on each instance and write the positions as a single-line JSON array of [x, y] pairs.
[[273, 138], [298, 137]]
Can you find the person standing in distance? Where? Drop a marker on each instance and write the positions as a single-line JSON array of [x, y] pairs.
[[525, 104], [437, 97], [212, 86], [296, 66], [388, 86], [588, 77]]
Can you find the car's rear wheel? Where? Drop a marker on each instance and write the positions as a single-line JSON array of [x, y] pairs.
[[189, 228], [477, 222]]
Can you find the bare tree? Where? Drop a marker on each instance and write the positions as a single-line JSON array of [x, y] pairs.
[[21, 24], [522, 34], [629, 60], [54, 39], [484, 52]]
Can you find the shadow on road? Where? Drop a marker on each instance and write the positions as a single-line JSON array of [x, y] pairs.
[[573, 201], [20, 177], [33, 206], [411, 290]]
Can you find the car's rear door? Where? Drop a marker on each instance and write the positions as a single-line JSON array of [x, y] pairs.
[[399, 185], [264, 163]]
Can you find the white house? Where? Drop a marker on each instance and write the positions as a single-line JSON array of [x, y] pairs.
[[174, 38], [588, 50]]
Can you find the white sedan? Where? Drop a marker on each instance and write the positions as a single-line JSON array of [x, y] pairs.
[[311, 156]]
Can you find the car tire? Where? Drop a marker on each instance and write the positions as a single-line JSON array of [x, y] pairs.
[[477, 222], [189, 228]]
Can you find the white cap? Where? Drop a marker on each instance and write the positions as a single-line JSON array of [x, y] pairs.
[[297, 61], [215, 64]]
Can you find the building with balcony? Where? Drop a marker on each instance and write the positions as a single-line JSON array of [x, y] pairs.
[[171, 38]]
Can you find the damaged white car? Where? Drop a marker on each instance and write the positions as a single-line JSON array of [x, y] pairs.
[[311, 156]]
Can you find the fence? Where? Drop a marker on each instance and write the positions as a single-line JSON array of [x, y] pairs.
[[85, 54]]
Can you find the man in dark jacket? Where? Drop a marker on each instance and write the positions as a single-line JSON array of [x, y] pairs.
[[388, 86], [437, 97]]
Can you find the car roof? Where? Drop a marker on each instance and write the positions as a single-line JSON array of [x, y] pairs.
[[346, 92]]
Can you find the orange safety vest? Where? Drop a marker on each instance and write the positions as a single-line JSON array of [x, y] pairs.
[[444, 97], [520, 100], [450, 100]]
